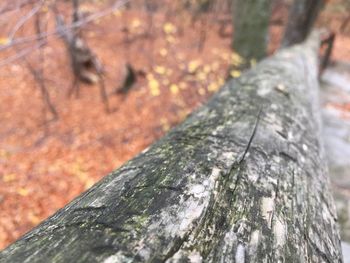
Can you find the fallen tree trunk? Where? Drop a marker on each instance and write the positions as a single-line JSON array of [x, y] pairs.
[[243, 179]]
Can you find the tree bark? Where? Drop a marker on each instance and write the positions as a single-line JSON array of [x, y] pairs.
[[302, 17], [243, 179], [251, 21]]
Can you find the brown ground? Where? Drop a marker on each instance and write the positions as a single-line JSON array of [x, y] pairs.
[[44, 165]]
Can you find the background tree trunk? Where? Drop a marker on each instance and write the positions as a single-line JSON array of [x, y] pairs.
[[302, 17], [243, 179], [251, 21]]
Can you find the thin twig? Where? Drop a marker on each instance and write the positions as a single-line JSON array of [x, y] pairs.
[[78, 24], [23, 20]]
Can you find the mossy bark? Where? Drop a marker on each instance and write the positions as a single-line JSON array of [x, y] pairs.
[[243, 179], [251, 23]]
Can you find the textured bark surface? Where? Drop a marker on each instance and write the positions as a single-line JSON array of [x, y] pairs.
[[302, 17], [243, 179], [251, 21]]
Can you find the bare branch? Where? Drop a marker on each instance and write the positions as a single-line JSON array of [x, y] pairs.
[[10, 8], [22, 53], [80, 23], [23, 20]]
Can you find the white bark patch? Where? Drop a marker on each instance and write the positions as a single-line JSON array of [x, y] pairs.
[[119, 257], [327, 216], [263, 91], [253, 244], [275, 123], [253, 175], [143, 251], [197, 190], [178, 219], [230, 237], [240, 254], [195, 257], [267, 207], [229, 156], [282, 88], [254, 239], [279, 231], [274, 106]]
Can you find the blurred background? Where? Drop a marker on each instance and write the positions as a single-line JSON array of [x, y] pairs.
[[86, 85]]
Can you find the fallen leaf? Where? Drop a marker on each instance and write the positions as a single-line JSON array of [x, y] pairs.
[[4, 41], [163, 52], [213, 87], [154, 87], [160, 70], [169, 28], [9, 177], [135, 23], [201, 91], [174, 89], [193, 66], [22, 191], [235, 73]]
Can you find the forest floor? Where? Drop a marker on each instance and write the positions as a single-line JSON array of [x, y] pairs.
[[335, 100], [45, 164]]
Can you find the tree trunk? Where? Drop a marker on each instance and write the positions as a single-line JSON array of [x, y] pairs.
[[243, 179], [251, 21], [302, 17]]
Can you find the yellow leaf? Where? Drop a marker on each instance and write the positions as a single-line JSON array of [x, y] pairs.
[[154, 87], [88, 183], [253, 62], [201, 76], [170, 39], [160, 70], [201, 91], [213, 87], [4, 41], [221, 81], [44, 9], [235, 73], [193, 66], [165, 124], [169, 28], [9, 177], [183, 114], [34, 219], [207, 69], [163, 52], [4, 154], [117, 13], [135, 23], [236, 59], [174, 89], [22, 191]]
